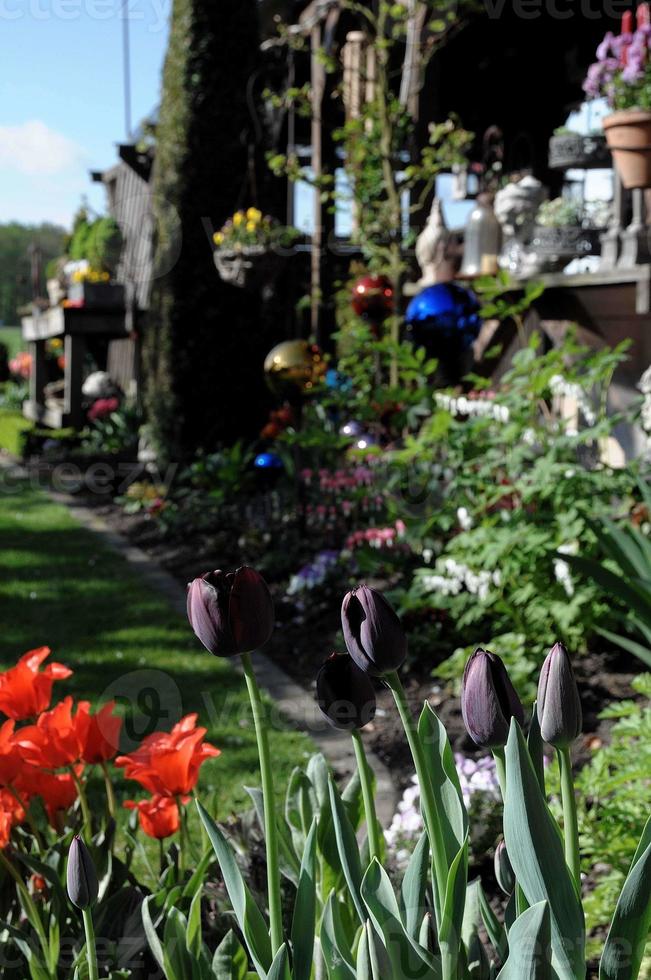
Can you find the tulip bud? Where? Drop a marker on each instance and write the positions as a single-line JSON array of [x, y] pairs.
[[503, 870], [559, 705], [372, 631], [81, 878], [231, 613], [488, 700], [345, 693]]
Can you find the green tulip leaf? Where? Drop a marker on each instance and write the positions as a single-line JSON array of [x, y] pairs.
[[247, 913], [304, 919], [337, 954], [445, 781], [280, 966], [536, 854], [289, 863], [414, 887], [230, 961], [150, 932], [407, 957], [193, 937], [631, 923], [348, 848], [529, 944], [176, 959]]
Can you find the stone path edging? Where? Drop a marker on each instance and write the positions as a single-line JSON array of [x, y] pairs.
[[291, 700]]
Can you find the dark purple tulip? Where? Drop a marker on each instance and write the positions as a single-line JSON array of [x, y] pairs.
[[559, 705], [231, 612], [373, 633], [503, 870], [345, 693], [81, 877], [488, 700]]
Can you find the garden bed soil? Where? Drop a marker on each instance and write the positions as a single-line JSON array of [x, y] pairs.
[[307, 633]]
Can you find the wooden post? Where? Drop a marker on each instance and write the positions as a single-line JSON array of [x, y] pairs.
[[38, 377], [317, 71], [74, 350]]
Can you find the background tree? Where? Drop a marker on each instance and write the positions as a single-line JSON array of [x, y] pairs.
[[203, 346], [15, 275]]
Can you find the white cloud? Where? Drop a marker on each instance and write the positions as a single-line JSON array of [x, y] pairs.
[[35, 149]]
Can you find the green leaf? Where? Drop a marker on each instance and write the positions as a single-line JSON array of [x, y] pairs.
[[494, 928], [406, 955], [414, 887], [193, 936], [445, 781], [347, 848], [529, 942], [289, 862], [304, 919], [230, 961], [150, 932], [631, 923], [536, 749], [337, 954], [247, 913], [280, 966], [177, 962], [536, 854]]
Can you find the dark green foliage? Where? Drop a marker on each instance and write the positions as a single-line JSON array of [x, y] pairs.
[[15, 269], [104, 244], [203, 348]]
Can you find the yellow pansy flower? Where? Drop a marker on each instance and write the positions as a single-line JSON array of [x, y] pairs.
[[238, 218], [251, 226], [218, 237], [254, 215]]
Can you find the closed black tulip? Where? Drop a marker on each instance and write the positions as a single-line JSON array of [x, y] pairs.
[[373, 633], [488, 700], [231, 612], [559, 704], [81, 877], [345, 693]]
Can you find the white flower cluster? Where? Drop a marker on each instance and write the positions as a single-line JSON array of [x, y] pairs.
[[479, 407], [451, 577], [644, 384], [562, 569], [561, 387], [475, 776]]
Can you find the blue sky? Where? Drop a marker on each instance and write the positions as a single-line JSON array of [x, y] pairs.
[[61, 97]]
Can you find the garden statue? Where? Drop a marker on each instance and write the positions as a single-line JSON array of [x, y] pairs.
[[432, 249], [516, 206]]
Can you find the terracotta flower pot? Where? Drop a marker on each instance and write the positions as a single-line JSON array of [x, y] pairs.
[[628, 133]]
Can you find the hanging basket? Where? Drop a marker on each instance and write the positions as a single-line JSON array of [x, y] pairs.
[[556, 247], [250, 268], [629, 137]]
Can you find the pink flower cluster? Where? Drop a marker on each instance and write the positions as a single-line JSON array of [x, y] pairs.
[[103, 407], [376, 537], [621, 58], [338, 481]]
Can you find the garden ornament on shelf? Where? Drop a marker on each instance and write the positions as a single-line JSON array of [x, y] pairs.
[[482, 240], [432, 249], [516, 206]]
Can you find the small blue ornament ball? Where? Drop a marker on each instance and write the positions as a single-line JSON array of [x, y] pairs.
[[268, 461], [444, 319]]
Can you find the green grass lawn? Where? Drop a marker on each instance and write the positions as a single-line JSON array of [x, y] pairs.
[[12, 338], [61, 587]]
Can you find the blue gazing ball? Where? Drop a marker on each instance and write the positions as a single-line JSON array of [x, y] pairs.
[[444, 319], [268, 461]]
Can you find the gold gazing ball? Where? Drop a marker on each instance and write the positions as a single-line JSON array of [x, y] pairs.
[[294, 368]]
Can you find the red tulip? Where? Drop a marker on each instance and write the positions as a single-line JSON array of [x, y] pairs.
[[168, 763], [58, 737], [102, 737], [11, 760], [159, 816], [58, 792], [24, 690]]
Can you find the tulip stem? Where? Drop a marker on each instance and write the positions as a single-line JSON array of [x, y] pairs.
[[270, 830], [110, 793], [366, 780], [91, 951], [87, 827], [427, 799], [570, 820]]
